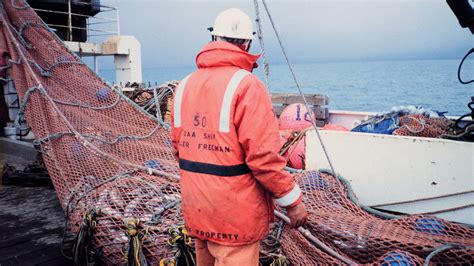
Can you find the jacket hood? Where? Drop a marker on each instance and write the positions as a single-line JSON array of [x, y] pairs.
[[218, 54]]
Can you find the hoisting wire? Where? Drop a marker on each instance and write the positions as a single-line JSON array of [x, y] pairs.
[[313, 122], [266, 67], [460, 66]]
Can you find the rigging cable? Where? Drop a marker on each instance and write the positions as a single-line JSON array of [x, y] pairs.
[[460, 66], [313, 122], [266, 67], [305, 232]]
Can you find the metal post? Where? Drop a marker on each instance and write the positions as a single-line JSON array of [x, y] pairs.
[[87, 30], [118, 21], [96, 64], [69, 35]]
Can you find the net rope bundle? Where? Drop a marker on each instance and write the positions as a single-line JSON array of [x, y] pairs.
[[113, 169], [419, 125]]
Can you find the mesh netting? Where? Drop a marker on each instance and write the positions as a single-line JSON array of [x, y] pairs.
[[155, 100], [419, 125], [364, 238], [99, 149], [114, 172]]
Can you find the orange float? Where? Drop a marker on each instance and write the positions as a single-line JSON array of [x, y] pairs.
[[295, 117], [334, 127], [297, 155]]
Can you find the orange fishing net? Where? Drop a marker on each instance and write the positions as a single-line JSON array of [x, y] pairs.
[[155, 100], [115, 175], [419, 125]]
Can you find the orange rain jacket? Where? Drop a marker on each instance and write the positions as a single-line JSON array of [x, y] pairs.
[[227, 140]]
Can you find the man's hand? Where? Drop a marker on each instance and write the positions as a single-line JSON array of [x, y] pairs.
[[297, 215]]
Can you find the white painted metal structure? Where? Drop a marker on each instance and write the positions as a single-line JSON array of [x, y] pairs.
[[403, 174], [126, 51]]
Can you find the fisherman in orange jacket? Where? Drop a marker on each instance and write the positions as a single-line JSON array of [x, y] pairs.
[[226, 138]]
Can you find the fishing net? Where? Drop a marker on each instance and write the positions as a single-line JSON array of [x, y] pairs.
[[155, 100], [419, 125], [114, 172]]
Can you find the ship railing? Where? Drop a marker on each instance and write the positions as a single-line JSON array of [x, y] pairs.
[[105, 23]]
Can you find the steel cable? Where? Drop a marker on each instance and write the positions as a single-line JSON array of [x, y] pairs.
[[313, 122]]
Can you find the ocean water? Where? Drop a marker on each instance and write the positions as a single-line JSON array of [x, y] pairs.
[[362, 86]]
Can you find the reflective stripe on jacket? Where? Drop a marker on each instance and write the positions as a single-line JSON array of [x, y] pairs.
[[226, 135]]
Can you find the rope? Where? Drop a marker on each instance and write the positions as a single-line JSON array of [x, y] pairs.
[[112, 142], [114, 178], [17, 62], [136, 245], [181, 241], [316, 241], [135, 256], [157, 105], [460, 66], [280, 261], [5, 67], [20, 7], [296, 139], [443, 248], [436, 251], [83, 140], [159, 93], [155, 218], [21, 111], [20, 37], [421, 122], [66, 217], [426, 198], [449, 209], [24, 58], [266, 67], [46, 72], [109, 156], [26, 97], [313, 122], [87, 143], [271, 246], [168, 262], [82, 249], [119, 92], [467, 131], [117, 101], [353, 198]]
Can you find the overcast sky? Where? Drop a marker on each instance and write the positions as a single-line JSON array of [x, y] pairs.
[[172, 32]]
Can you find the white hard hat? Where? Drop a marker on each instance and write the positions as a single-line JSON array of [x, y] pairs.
[[233, 23]]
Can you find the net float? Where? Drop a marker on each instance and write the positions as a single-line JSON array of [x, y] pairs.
[[295, 117]]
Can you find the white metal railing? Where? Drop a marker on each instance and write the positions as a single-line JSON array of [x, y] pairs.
[[105, 23]]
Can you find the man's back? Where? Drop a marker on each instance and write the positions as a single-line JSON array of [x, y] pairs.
[[226, 138]]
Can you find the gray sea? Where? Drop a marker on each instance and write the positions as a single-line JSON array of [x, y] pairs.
[[362, 86]]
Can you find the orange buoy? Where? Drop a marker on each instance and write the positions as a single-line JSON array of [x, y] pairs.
[[295, 117], [334, 127], [297, 154]]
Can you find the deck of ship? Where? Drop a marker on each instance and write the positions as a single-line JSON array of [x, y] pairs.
[[31, 230]]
